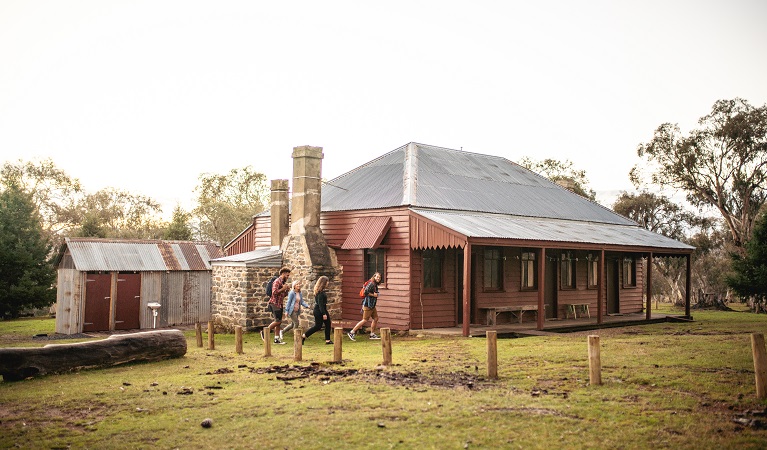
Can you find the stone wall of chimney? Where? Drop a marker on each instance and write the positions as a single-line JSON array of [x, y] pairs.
[[239, 297], [295, 255]]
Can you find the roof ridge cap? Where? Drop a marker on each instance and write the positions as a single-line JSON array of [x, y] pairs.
[[410, 174]]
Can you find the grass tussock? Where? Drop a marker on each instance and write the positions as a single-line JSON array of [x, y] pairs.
[[680, 386]]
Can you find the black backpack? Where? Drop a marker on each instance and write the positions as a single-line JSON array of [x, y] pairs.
[[269, 285]]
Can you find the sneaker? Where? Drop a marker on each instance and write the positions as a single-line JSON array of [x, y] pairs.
[[262, 334], [374, 336], [351, 335], [328, 342], [279, 341]]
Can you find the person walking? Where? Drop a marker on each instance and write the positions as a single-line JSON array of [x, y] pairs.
[[279, 290], [321, 314], [293, 307], [369, 308]]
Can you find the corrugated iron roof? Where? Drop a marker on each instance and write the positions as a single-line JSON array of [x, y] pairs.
[[483, 196], [502, 226], [92, 254], [368, 232], [262, 257], [433, 177]]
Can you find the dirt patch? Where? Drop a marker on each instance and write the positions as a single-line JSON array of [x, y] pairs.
[[410, 379], [78, 418]]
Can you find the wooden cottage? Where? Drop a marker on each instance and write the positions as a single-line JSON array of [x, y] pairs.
[[107, 285], [463, 238]]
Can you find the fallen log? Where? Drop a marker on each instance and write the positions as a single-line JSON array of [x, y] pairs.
[[24, 362]]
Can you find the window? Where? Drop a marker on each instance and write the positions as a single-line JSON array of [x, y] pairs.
[[567, 270], [432, 269], [629, 272], [529, 272], [375, 261], [593, 265], [493, 269]]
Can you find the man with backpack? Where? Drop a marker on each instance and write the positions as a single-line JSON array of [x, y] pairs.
[[368, 307], [278, 292]]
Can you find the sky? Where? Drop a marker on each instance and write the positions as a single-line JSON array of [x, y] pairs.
[[146, 96]]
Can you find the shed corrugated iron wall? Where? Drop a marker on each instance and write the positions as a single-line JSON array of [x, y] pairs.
[[151, 292], [185, 298]]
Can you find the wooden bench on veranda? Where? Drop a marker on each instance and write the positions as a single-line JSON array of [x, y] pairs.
[[516, 311]]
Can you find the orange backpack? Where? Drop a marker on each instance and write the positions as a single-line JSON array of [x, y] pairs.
[[362, 291]]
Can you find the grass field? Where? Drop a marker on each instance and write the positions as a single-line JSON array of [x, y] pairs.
[[675, 386]]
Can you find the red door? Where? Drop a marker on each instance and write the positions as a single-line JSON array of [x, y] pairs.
[[128, 301], [98, 287]]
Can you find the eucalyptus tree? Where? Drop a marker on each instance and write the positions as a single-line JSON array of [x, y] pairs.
[[119, 214], [53, 192], [226, 203], [722, 164]]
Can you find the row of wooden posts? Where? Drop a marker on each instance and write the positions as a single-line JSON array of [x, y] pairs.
[[595, 362], [338, 334]]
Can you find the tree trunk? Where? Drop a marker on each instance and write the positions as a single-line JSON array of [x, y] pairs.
[[23, 362], [676, 290], [712, 301]]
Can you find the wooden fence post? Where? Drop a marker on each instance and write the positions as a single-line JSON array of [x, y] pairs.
[[238, 339], [198, 332], [595, 361], [211, 338], [386, 345], [338, 339], [760, 364], [267, 341], [298, 344], [492, 354]]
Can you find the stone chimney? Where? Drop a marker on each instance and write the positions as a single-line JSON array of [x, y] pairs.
[[306, 204], [305, 250], [307, 185], [279, 211]]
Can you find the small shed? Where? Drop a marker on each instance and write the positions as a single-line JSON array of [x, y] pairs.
[[107, 284]]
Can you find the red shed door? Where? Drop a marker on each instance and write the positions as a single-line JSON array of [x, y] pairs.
[[97, 298], [128, 301]]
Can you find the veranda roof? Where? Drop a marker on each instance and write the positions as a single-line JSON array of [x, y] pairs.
[[467, 224]]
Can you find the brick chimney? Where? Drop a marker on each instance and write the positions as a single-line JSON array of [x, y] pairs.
[[279, 211]]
